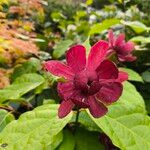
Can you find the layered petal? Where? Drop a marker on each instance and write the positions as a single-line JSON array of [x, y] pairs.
[[128, 58], [97, 55], [96, 108], [66, 90], [65, 108], [110, 92], [123, 76], [59, 69], [94, 88], [80, 81], [128, 47], [111, 38], [107, 70], [120, 40], [76, 58]]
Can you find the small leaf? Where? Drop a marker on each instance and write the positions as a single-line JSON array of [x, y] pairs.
[[137, 26], [133, 76], [21, 86], [61, 48], [35, 129], [5, 118], [104, 25], [146, 76], [89, 2], [141, 39]]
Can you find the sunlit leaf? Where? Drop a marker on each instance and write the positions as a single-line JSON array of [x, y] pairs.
[[61, 48], [35, 129], [20, 86], [126, 122], [104, 25], [133, 76], [141, 39], [5, 118], [137, 26]]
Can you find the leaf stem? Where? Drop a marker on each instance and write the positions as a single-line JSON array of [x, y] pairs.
[[76, 121]]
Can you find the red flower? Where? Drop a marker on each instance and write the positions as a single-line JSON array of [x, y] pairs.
[[120, 47], [91, 83]]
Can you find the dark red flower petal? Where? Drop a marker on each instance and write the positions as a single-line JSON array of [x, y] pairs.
[[65, 90], [97, 55], [94, 88], [110, 92], [123, 76], [80, 103], [80, 81], [65, 108], [79, 99], [107, 70], [97, 109], [59, 69], [76, 58]]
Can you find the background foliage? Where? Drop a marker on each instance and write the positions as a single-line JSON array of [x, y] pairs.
[[33, 31]]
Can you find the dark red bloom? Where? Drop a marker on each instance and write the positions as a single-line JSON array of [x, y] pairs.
[[121, 48], [91, 83]]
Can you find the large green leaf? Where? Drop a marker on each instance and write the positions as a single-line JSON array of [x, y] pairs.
[[107, 23], [68, 141], [86, 140], [61, 48], [133, 76], [57, 139], [20, 86], [126, 122], [5, 118], [36, 129]]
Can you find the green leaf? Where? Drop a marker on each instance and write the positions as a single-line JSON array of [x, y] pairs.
[[5, 118], [36, 129], [89, 2], [61, 48], [56, 141], [137, 26], [146, 75], [86, 121], [68, 141], [133, 76], [31, 66], [104, 25], [21, 86], [86, 140], [141, 39], [126, 123]]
